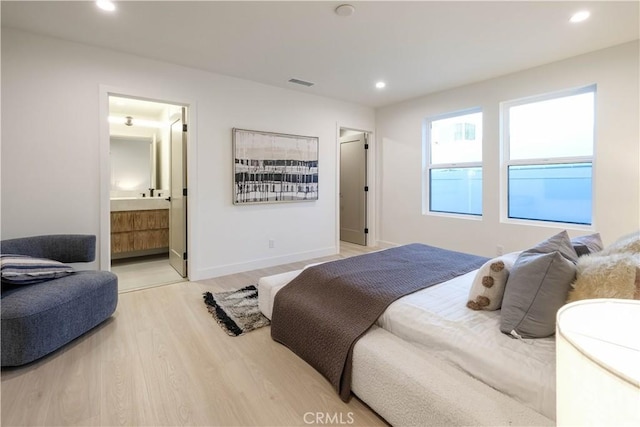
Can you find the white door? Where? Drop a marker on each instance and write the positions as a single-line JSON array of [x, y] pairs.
[[178, 199], [353, 189]]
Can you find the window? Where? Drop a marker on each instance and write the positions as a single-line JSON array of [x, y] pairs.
[[453, 163], [548, 143]]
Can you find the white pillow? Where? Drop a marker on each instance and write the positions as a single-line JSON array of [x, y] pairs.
[[488, 286]]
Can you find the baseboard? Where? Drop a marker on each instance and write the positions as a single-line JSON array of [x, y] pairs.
[[224, 270], [384, 244]]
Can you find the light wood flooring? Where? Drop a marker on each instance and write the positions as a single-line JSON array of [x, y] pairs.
[[144, 272], [162, 360]]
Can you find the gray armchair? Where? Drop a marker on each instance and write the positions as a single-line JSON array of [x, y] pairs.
[[40, 318]]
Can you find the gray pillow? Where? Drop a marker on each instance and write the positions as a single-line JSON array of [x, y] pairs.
[[561, 243], [592, 243], [537, 287], [26, 270]]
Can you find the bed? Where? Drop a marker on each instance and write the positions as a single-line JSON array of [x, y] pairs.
[[429, 360]]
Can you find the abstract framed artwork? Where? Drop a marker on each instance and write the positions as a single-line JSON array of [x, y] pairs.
[[274, 167]]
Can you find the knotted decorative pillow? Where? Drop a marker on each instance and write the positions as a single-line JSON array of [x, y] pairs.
[[487, 288]]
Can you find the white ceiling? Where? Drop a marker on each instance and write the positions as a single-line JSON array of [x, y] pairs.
[[417, 47]]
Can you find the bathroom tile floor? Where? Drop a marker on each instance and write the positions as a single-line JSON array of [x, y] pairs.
[[144, 272]]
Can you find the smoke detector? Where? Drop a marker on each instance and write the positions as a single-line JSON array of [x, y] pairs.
[[345, 10]]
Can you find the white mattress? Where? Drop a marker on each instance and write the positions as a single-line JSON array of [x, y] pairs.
[[409, 387], [437, 319]]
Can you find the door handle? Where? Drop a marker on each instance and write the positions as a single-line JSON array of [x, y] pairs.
[[168, 199]]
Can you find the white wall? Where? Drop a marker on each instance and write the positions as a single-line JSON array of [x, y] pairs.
[[51, 150], [616, 170]]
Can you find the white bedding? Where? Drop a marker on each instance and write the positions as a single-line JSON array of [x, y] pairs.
[[437, 319]]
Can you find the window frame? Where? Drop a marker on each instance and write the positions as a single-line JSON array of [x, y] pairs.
[[506, 161], [428, 166]]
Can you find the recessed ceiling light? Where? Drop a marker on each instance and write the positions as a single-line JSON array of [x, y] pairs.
[[107, 5], [380, 85], [580, 16]]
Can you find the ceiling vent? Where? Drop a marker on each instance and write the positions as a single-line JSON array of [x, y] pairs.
[[301, 82]]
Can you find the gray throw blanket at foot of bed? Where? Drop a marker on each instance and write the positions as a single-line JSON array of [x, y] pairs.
[[321, 313]]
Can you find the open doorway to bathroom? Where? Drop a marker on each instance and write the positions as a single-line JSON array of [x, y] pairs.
[[147, 192]]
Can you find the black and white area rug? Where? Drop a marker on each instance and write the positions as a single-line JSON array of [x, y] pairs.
[[236, 311]]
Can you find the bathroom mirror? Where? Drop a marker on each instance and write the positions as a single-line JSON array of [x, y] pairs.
[[132, 166]]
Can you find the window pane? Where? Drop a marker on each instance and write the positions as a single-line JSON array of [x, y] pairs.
[[559, 193], [457, 139], [560, 127], [456, 190]]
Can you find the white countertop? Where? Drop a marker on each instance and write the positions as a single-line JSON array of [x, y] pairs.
[[138, 204]]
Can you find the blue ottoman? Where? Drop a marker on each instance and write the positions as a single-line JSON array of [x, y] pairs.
[[40, 318]]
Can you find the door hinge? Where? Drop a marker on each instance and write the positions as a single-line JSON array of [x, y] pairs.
[[184, 127], [366, 188], [184, 192], [366, 146], [366, 231], [184, 256]]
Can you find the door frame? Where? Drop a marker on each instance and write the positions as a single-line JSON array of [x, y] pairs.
[[372, 183], [104, 245]]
